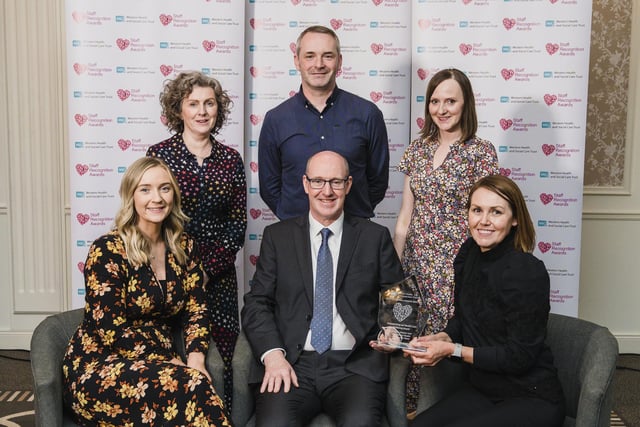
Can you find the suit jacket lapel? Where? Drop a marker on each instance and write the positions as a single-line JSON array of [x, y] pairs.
[[302, 248], [350, 236]]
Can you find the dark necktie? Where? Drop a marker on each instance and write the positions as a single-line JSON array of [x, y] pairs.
[[322, 321]]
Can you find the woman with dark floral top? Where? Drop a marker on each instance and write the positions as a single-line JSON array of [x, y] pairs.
[[141, 279], [214, 195]]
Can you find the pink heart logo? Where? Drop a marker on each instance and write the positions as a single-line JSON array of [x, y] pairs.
[[79, 68], [166, 69], [123, 43], [292, 47], [420, 122], [166, 19], [123, 94], [465, 48], [377, 2], [163, 119], [82, 218], [255, 119], [81, 266], [505, 172], [376, 48], [208, 45], [254, 71], [124, 144], [550, 99], [424, 23], [80, 119], [255, 213], [292, 93], [82, 169], [507, 73], [336, 23], [79, 17], [466, 1], [422, 73], [547, 149], [252, 22], [553, 1], [508, 23], [506, 123], [253, 166], [375, 96], [546, 198], [295, 2], [253, 259], [544, 246], [552, 48]]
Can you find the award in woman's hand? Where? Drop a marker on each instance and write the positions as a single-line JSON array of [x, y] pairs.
[[398, 314]]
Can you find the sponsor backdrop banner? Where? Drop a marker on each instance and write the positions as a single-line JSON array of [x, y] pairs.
[[527, 60], [119, 53]]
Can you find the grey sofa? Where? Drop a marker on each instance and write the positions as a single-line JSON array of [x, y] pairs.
[[48, 343], [585, 355]]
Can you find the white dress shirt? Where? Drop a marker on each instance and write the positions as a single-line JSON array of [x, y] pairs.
[[341, 338]]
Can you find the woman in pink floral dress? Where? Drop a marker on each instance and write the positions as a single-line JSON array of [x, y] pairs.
[[440, 167]]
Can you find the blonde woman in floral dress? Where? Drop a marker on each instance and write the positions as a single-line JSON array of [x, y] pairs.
[[142, 279], [440, 167]]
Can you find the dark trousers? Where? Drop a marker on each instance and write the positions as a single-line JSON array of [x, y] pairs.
[[469, 407], [324, 386]]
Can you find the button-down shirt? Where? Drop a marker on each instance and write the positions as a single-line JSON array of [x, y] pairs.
[[294, 130]]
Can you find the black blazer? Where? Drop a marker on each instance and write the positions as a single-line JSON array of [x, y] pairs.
[[278, 309]]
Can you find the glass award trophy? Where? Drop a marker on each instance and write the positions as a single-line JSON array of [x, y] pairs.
[[398, 314]]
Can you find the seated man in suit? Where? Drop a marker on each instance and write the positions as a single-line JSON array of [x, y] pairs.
[[313, 306]]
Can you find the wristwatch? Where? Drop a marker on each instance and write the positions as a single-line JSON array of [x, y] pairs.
[[457, 351]]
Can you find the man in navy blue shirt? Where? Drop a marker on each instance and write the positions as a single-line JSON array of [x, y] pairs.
[[322, 117]]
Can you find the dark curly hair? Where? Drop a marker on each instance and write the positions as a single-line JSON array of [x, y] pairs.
[[179, 88]]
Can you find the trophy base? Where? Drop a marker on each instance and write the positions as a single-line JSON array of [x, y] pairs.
[[400, 346]]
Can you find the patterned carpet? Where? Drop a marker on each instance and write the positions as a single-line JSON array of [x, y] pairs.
[[16, 391], [16, 410]]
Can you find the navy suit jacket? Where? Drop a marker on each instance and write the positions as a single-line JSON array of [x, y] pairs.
[[278, 309]]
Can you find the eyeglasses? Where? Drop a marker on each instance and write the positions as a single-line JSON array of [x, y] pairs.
[[335, 183]]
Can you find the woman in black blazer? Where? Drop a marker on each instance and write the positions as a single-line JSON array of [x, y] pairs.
[[500, 320]]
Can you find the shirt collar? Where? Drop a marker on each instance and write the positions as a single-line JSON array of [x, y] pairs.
[[330, 100], [336, 226]]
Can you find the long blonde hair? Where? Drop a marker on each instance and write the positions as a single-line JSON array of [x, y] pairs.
[[137, 246]]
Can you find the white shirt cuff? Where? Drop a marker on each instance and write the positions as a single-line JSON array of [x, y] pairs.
[[269, 351]]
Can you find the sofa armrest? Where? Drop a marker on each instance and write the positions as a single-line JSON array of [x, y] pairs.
[[243, 405], [48, 344], [396, 407], [215, 366], [596, 376], [438, 381]]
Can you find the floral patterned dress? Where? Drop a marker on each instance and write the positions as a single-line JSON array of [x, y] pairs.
[[214, 197], [438, 225], [117, 369]]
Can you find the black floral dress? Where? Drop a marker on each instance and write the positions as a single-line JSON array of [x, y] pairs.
[[214, 197], [117, 369]]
